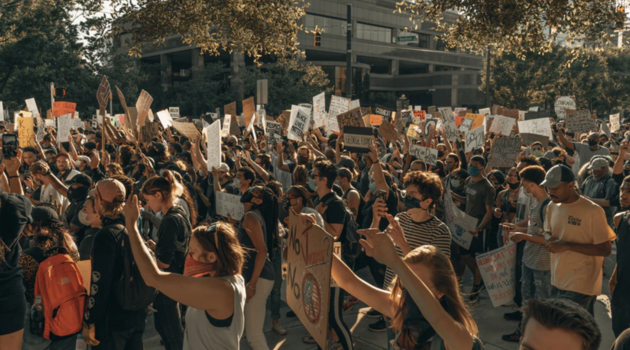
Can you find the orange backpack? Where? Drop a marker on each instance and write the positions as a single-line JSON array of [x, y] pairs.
[[60, 284]]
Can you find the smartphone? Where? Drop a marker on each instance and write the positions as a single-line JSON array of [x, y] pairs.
[[9, 145], [381, 194]]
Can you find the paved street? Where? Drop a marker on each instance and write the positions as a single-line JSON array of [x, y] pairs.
[[489, 320]]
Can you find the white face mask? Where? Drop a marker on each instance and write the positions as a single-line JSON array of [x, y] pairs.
[[237, 182], [83, 218]]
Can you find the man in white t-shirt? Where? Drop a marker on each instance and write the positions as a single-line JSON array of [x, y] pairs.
[[66, 172]]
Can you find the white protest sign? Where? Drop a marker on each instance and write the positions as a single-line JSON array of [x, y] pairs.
[[606, 129], [484, 111], [225, 132], [427, 155], [540, 126], [174, 112], [505, 150], [502, 125], [63, 129], [1, 111], [533, 109], [448, 121], [497, 269], [32, 107], [460, 224], [563, 103], [213, 133], [41, 131], [319, 110], [475, 138], [77, 123], [580, 121], [614, 121], [165, 118], [354, 104], [466, 124], [338, 105], [49, 122], [229, 204], [298, 123]]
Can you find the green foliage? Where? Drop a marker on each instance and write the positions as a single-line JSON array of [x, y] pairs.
[[597, 80]]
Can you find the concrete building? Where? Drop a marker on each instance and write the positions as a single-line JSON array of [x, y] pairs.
[[421, 68]]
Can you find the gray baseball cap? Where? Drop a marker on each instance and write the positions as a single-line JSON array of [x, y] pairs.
[[557, 175], [598, 163]]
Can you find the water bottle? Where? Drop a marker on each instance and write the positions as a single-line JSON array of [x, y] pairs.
[[37, 317], [81, 344]]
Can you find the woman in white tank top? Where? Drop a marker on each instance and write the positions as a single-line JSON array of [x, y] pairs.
[[212, 286]]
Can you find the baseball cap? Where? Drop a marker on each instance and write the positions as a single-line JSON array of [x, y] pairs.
[[80, 179], [44, 213], [224, 167], [557, 175], [598, 163], [346, 162]]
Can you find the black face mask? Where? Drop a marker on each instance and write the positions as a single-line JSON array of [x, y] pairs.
[[440, 154], [77, 194], [302, 160], [231, 144], [592, 142], [411, 203], [152, 152], [514, 186]]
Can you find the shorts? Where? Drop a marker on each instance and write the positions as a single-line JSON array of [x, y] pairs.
[[478, 245], [12, 313]]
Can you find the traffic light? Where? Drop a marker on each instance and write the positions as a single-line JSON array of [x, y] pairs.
[[621, 17], [60, 92], [318, 39]]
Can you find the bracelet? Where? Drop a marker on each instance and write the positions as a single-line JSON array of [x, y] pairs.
[[250, 287], [14, 176]]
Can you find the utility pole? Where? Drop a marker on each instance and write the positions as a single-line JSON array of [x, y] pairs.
[[488, 79], [349, 54], [52, 98]]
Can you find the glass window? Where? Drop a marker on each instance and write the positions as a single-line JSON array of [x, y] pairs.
[[374, 33], [327, 25], [424, 40]]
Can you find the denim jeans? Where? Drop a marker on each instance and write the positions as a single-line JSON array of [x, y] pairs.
[[585, 301], [535, 284], [274, 297], [168, 322]]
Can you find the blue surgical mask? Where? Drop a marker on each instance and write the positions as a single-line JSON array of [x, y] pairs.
[[472, 171], [372, 187], [311, 184]]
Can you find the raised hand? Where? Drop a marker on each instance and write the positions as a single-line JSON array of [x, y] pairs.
[[379, 246]]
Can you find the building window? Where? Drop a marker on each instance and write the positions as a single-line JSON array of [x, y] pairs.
[[424, 41], [440, 45], [327, 25], [374, 33]]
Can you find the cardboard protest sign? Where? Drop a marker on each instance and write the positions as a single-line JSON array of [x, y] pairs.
[[536, 126], [562, 104], [376, 119], [537, 115], [319, 110], [31, 105], [350, 118], [309, 262], [355, 104], [475, 139], [388, 131], [64, 123], [484, 111], [614, 121], [497, 269], [102, 94], [448, 121], [427, 155], [147, 132], [213, 133], [142, 106], [502, 125], [477, 120], [385, 112], [26, 133], [187, 129], [61, 107], [460, 223], [357, 139], [249, 107], [274, 131], [123, 101], [431, 109], [580, 122], [504, 152], [230, 109], [465, 125], [284, 119], [229, 204], [512, 113], [165, 118]]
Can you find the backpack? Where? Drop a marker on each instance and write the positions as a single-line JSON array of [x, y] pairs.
[[543, 207], [130, 291], [350, 247], [60, 285]]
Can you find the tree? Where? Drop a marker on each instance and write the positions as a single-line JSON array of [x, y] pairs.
[[289, 82], [253, 27], [517, 27]]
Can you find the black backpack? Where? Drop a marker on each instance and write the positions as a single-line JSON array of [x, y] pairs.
[[350, 247], [543, 208], [131, 292]]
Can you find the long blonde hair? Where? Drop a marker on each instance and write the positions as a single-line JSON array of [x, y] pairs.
[[445, 281]]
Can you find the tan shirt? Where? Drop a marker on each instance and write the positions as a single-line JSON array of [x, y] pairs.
[[580, 222]]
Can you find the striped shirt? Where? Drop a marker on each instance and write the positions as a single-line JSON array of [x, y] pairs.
[[536, 256], [431, 232]]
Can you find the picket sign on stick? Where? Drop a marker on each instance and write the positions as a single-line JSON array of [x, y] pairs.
[[504, 152], [319, 110], [142, 106], [229, 204], [309, 260], [497, 269], [536, 126], [475, 138], [502, 125], [614, 121], [213, 133], [428, 155]]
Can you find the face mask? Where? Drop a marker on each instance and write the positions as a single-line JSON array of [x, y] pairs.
[[538, 153], [472, 171], [514, 186], [592, 142], [338, 183], [455, 184], [372, 187], [311, 184], [83, 218], [302, 160], [237, 182], [449, 167], [194, 268], [626, 172], [528, 194], [230, 144], [440, 154], [412, 203], [77, 194]]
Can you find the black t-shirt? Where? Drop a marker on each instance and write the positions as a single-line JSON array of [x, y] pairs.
[[172, 241], [15, 213], [622, 290], [335, 212]]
